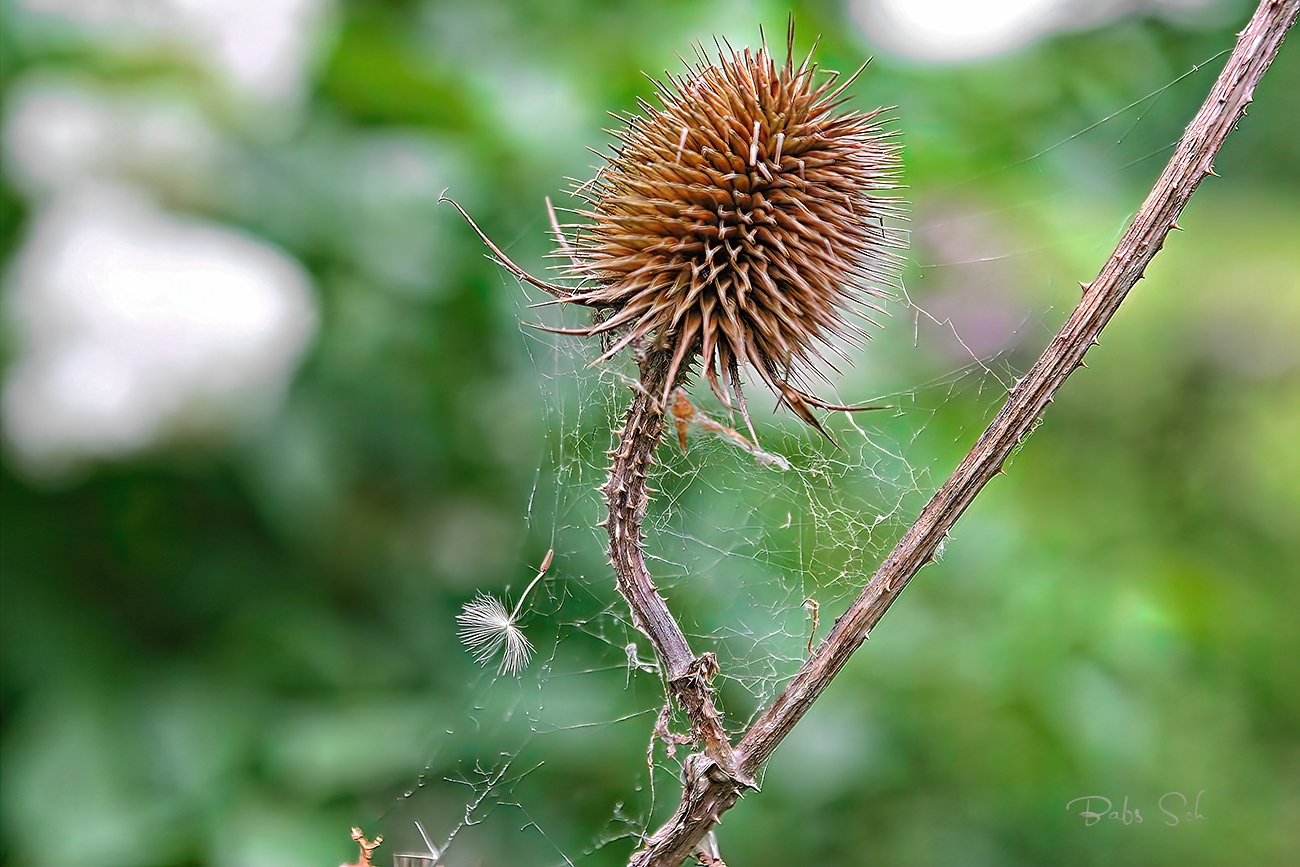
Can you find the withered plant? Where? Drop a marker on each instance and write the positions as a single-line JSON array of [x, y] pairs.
[[741, 224]]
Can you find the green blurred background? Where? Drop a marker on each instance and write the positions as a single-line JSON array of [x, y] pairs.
[[229, 641]]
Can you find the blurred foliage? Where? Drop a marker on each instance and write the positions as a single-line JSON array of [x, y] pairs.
[[229, 654]]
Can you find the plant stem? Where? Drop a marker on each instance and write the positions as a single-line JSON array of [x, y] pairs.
[[687, 677], [713, 782], [541, 573], [626, 495]]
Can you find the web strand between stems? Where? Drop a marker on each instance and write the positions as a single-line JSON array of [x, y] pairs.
[[714, 779]]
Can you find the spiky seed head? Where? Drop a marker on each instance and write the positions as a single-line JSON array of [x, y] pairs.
[[742, 221]]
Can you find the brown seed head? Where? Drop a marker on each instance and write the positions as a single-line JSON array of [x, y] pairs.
[[740, 223]]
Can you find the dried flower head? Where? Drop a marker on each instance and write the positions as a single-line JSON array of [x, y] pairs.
[[740, 223]]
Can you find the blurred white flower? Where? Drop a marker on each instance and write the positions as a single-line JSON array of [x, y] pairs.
[[262, 47], [133, 324], [948, 30], [957, 30], [61, 131]]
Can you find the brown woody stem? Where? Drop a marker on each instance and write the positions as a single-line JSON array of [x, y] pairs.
[[713, 782], [626, 494]]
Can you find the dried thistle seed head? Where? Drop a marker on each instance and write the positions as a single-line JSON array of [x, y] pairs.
[[742, 222]]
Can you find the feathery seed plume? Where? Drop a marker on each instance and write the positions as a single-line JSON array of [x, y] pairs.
[[486, 627]]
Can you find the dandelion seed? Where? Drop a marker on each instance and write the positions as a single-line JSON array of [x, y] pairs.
[[486, 628]]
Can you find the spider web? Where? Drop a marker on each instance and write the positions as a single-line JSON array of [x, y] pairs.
[[758, 550]]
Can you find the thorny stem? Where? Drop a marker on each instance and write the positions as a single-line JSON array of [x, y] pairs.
[[713, 781], [626, 495]]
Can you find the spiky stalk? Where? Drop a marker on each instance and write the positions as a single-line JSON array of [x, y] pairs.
[[739, 225]]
